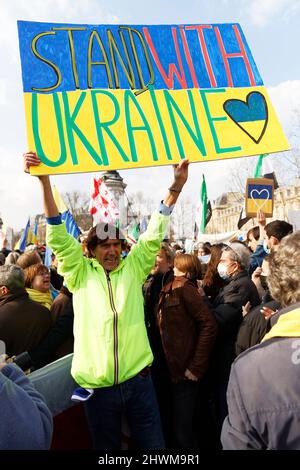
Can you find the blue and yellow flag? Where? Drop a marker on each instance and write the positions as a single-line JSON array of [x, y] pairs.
[[25, 237], [260, 195]]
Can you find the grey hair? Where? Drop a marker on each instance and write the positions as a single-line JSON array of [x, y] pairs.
[[12, 277], [12, 258], [239, 253], [284, 277]]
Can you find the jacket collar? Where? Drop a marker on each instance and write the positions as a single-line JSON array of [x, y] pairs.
[[287, 323], [177, 281], [95, 264], [16, 294], [238, 275]]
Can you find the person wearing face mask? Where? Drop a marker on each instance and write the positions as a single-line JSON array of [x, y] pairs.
[[255, 323], [265, 239], [275, 232], [227, 308], [263, 392]]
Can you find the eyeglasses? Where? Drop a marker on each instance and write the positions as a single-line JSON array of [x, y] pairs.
[[44, 273]]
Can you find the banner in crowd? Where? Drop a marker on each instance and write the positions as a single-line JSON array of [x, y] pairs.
[[259, 196], [114, 97]]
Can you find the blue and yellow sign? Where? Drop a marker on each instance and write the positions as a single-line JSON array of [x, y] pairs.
[[259, 196], [114, 97]]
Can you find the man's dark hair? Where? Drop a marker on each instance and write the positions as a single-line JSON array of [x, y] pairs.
[[278, 229], [101, 233]]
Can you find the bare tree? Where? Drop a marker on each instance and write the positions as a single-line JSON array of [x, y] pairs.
[[76, 202], [139, 205], [290, 160], [239, 173], [183, 219]]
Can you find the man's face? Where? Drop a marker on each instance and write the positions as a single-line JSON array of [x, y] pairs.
[[272, 243], [228, 262], [108, 254]]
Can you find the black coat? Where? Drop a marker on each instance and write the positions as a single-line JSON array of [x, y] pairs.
[[227, 309], [254, 327], [23, 322]]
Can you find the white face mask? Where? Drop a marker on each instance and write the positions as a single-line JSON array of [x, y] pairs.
[[222, 270]]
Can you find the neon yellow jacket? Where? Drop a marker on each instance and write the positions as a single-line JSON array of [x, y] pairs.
[[111, 343]]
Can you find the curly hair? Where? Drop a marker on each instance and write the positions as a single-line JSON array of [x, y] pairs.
[[284, 277]]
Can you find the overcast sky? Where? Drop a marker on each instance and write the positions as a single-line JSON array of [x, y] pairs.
[[272, 30]]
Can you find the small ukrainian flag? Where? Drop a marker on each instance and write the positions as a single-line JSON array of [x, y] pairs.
[[260, 197]]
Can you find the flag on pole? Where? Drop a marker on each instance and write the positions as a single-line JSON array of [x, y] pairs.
[[34, 238], [48, 258], [25, 237], [66, 215], [71, 225], [242, 219], [102, 205], [264, 169], [203, 210], [133, 233], [61, 206], [143, 225]]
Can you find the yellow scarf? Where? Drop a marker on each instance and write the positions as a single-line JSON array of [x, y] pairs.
[[43, 298], [288, 325]]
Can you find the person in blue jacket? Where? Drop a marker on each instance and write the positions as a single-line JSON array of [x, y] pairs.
[[26, 421]]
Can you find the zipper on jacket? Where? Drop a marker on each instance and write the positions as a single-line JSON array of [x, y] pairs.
[[112, 304]]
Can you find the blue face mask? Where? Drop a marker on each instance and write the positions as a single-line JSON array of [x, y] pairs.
[[266, 249], [204, 259]]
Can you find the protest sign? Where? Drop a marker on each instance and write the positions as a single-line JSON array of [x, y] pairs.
[[113, 97], [259, 196]]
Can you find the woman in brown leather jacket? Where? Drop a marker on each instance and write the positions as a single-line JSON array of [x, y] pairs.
[[188, 330]]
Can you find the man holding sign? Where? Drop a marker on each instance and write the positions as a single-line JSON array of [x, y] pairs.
[[111, 349]]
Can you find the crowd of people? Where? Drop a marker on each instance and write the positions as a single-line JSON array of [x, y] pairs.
[[197, 350]]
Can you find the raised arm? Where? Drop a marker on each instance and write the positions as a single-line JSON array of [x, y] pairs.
[[261, 221], [50, 208], [66, 248], [180, 178], [142, 256]]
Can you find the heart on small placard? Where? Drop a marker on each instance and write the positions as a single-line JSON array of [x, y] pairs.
[[264, 201], [251, 115]]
